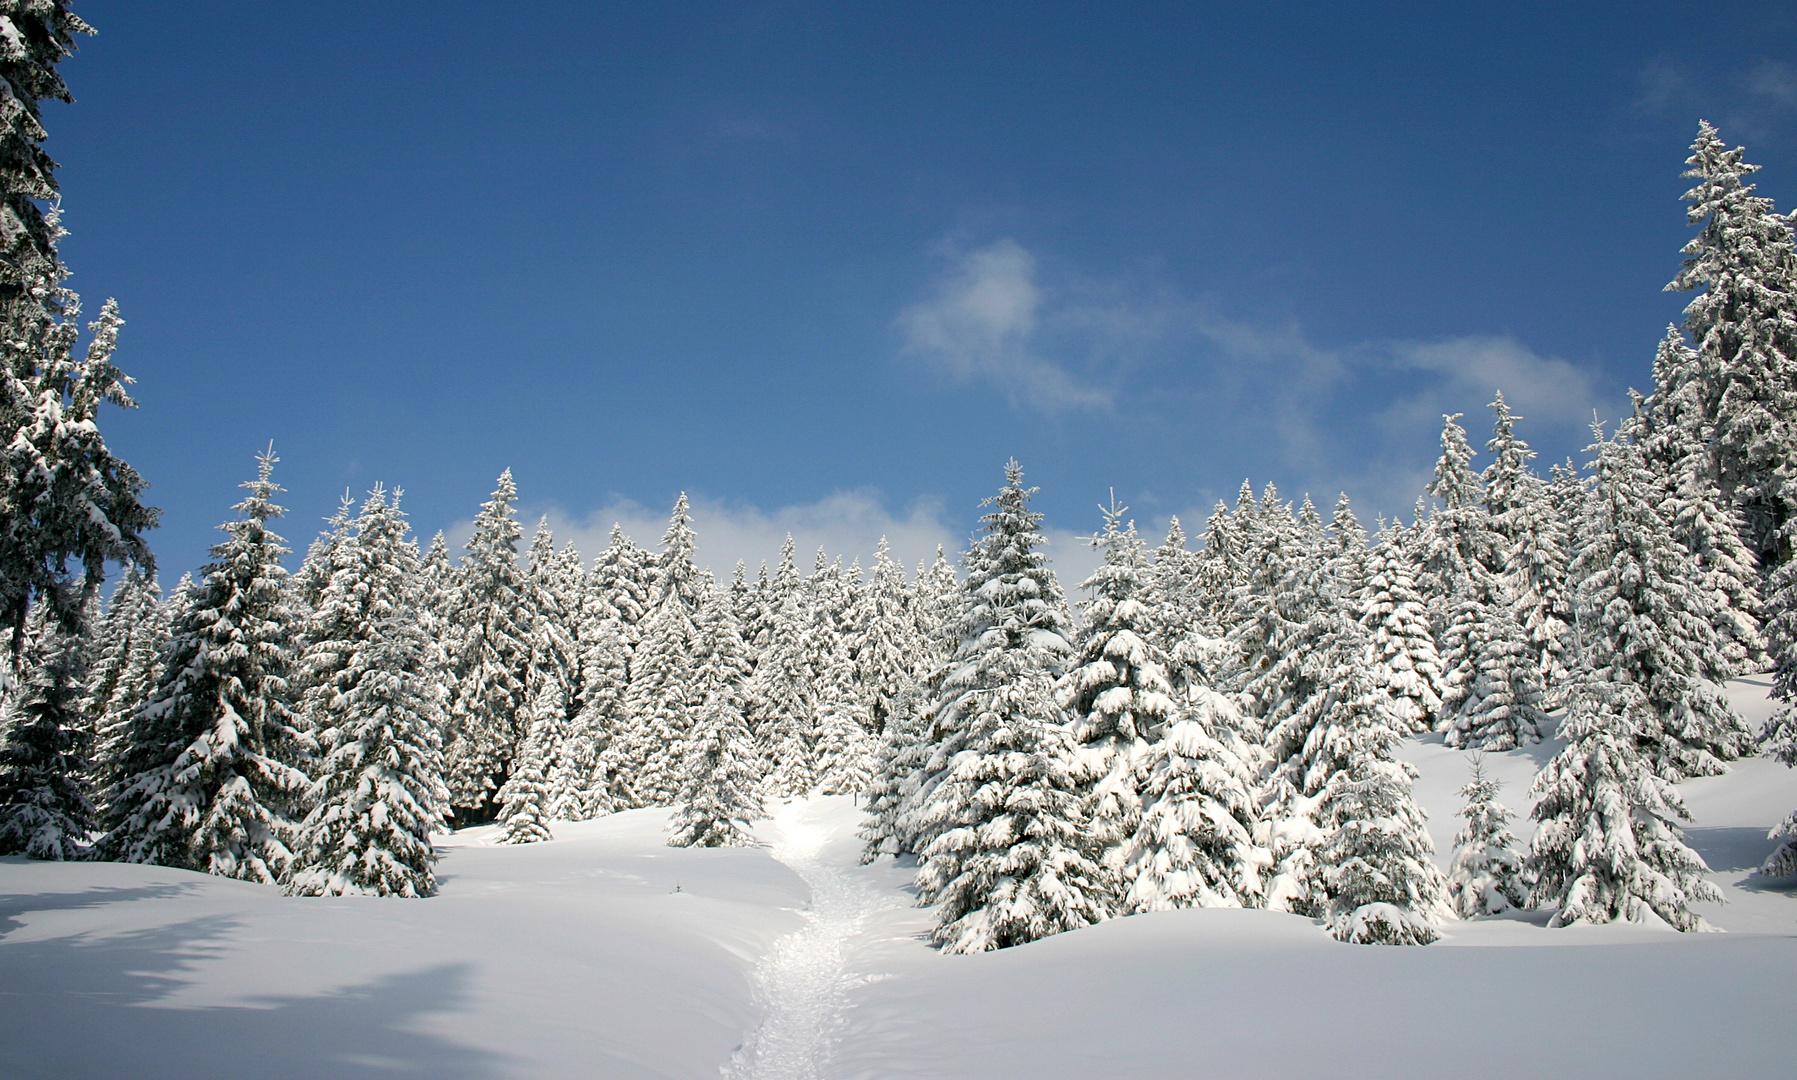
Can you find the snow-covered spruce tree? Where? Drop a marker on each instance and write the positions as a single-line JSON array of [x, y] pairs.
[[486, 715], [1670, 429], [1458, 563], [1780, 734], [143, 616], [622, 578], [1487, 875], [1010, 858], [1170, 591], [1644, 624], [845, 740], [46, 804], [784, 693], [1346, 838], [1403, 660], [897, 761], [65, 499], [522, 811], [211, 781], [1193, 845], [1531, 542], [1608, 846], [1744, 327], [552, 677], [886, 654], [564, 762], [379, 792], [661, 698], [1115, 689], [1268, 610], [720, 792], [1346, 548], [938, 611], [1380, 883], [1500, 706], [307, 584]]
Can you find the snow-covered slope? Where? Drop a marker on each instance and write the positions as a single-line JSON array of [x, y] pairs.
[[606, 954]]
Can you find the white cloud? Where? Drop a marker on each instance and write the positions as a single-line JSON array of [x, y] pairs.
[[848, 523], [981, 321]]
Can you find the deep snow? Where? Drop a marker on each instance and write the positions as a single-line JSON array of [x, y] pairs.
[[604, 953]]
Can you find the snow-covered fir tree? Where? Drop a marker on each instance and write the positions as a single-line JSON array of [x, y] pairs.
[[486, 714], [1010, 858], [1780, 734], [125, 670], [1500, 695], [1487, 874], [845, 743], [552, 676], [661, 697], [887, 652], [1379, 880], [68, 504], [622, 579], [1346, 838], [522, 800], [784, 693], [307, 584], [1743, 325], [898, 762], [379, 792], [46, 794], [1643, 623], [605, 678], [1461, 558], [720, 793], [1608, 845], [1667, 428], [1115, 689], [1530, 553], [1403, 660], [1193, 844], [211, 781]]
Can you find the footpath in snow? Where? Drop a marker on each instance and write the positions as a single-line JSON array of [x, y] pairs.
[[801, 984]]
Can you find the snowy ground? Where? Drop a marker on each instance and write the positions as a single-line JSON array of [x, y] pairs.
[[606, 954]]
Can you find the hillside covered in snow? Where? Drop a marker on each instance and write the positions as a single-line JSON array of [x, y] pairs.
[[604, 952]]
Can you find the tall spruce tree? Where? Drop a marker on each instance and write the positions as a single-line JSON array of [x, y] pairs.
[[46, 792], [211, 777], [1116, 689], [1780, 734], [379, 792], [1531, 548], [1644, 625], [1193, 844], [486, 721], [68, 504], [1743, 325], [720, 793], [662, 697], [1011, 859], [1608, 845], [1403, 658]]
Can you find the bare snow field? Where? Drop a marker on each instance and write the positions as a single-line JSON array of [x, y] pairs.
[[605, 954]]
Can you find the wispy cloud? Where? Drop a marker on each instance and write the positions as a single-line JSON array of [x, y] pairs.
[[1747, 103], [1359, 417], [981, 321]]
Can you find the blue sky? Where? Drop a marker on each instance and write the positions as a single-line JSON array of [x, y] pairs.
[[827, 266]]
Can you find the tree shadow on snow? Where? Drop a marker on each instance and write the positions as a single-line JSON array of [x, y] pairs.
[[13, 905], [1732, 850], [88, 1005]]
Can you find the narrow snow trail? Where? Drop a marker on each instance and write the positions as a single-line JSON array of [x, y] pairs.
[[800, 984]]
